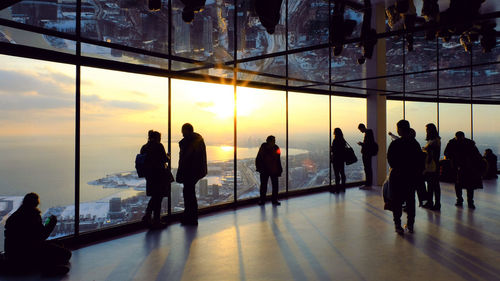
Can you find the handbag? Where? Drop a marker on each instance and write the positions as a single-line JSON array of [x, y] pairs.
[[350, 157]]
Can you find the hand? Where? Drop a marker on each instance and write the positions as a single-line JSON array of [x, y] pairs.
[[360, 143]]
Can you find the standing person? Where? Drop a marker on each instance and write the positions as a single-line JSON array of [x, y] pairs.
[[491, 164], [26, 242], [431, 171], [405, 159], [337, 157], [192, 168], [268, 164], [157, 181], [369, 148], [466, 162]]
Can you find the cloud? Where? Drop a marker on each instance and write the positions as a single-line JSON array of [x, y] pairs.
[[205, 105], [119, 104], [26, 91]]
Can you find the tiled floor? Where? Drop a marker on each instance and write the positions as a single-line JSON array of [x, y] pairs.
[[317, 237]]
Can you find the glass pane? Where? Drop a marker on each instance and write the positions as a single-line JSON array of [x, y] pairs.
[[117, 111], [122, 56], [491, 92], [253, 39], [271, 70], [420, 82], [343, 109], [394, 110], [394, 55], [486, 74], [481, 57], [449, 123], [209, 36], [55, 15], [452, 54], [420, 114], [22, 37], [461, 93], [486, 132], [454, 78], [128, 23], [210, 109], [308, 126], [424, 55], [345, 66], [307, 23], [37, 141], [312, 66], [260, 113]]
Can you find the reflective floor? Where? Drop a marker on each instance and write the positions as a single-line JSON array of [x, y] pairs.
[[317, 237]]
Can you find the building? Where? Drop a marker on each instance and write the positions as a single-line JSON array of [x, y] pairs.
[[77, 102]]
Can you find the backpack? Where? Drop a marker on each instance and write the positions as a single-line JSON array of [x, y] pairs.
[[140, 164]]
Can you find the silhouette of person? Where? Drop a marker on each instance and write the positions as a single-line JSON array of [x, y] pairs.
[[337, 158], [268, 164], [368, 149], [491, 164], [368, 34], [431, 171], [466, 162], [405, 158], [340, 28], [269, 13], [191, 7], [25, 240], [157, 179], [192, 168]]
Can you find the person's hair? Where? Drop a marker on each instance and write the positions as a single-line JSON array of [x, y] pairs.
[[187, 15], [488, 151], [361, 125], [31, 200], [460, 134], [403, 126], [187, 128], [432, 132], [337, 132], [270, 138], [150, 134], [156, 135]]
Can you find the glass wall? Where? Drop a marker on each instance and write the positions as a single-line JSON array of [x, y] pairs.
[[420, 114], [117, 110], [449, 123], [343, 110], [37, 117], [308, 126], [486, 131], [260, 113], [210, 109]]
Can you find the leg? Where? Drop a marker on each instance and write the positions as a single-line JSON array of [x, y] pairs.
[[342, 176], [190, 203], [396, 214], [436, 188], [410, 209], [263, 187], [470, 198], [336, 170], [274, 196], [367, 163], [458, 192], [156, 208]]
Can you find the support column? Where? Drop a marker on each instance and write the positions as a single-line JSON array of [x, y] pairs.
[[376, 101]]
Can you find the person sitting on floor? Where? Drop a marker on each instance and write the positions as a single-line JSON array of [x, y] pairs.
[[26, 246]]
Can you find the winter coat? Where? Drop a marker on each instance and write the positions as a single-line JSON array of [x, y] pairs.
[[268, 160], [466, 161], [25, 233], [157, 177], [192, 159], [338, 151], [406, 160]]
